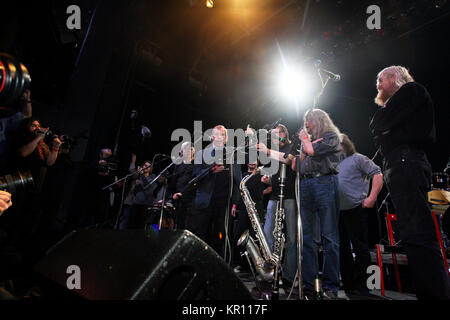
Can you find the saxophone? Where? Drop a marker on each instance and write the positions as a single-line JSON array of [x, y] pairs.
[[262, 257]]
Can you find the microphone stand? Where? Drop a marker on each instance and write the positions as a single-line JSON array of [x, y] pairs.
[[116, 225], [163, 203], [206, 171], [324, 83], [299, 225]]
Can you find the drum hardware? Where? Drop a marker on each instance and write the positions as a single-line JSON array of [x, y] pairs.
[[440, 181], [160, 217]]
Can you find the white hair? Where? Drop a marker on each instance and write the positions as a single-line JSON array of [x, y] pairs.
[[402, 75]]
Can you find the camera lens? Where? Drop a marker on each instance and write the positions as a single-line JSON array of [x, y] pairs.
[[16, 181], [14, 79]]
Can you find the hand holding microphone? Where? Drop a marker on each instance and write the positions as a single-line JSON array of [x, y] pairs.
[[41, 132], [303, 135]]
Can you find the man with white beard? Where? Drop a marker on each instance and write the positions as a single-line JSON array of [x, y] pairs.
[[402, 128]]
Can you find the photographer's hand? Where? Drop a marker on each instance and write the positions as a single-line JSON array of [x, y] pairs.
[[5, 201], [27, 149], [51, 158], [56, 143], [40, 133]]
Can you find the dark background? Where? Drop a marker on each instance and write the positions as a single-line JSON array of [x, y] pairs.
[[178, 61]]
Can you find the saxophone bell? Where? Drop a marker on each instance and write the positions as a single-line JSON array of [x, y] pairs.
[[264, 268]]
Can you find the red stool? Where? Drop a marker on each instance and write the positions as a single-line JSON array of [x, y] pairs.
[[389, 218], [438, 233], [392, 217]]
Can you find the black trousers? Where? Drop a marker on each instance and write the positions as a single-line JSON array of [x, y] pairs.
[[137, 217], [353, 233], [408, 175], [209, 224], [184, 209]]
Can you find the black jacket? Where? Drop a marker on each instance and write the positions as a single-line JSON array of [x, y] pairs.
[[406, 120]]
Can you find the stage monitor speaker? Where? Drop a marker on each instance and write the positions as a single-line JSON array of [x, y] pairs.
[[136, 265]]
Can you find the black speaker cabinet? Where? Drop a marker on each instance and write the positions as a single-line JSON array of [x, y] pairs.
[[137, 265]]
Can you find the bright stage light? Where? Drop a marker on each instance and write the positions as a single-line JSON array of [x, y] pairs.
[[209, 3], [295, 86]]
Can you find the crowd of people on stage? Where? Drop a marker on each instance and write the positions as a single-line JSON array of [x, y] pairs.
[[337, 187]]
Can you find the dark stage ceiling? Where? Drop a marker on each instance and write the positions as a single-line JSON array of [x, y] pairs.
[[178, 61]]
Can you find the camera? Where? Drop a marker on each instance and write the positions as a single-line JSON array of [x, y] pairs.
[[14, 79], [110, 166], [19, 181], [66, 141], [49, 135]]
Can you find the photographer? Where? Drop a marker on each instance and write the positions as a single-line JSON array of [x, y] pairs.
[[59, 179], [101, 172], [103, 168], [34, 154]]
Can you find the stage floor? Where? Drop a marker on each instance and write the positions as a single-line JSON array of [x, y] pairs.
[[287, 294]]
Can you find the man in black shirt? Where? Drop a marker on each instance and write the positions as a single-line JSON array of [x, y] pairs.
[[213, 191], [402, 128], [181, 191]]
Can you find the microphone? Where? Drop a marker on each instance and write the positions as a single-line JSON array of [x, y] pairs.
[[164, 155], [293, 148], [145, 132], [295, 142], [331, 75], [273, 125]]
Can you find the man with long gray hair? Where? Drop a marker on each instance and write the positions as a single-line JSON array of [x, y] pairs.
[[402, 128], [319, 201]]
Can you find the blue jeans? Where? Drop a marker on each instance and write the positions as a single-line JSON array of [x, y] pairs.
[[290, 259], [319, 204]]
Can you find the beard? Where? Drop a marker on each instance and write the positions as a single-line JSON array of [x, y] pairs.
[[382, 97]]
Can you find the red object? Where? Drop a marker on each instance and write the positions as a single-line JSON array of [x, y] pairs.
[[380, 265], [392, 217], [2, 68], [438, 233]]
